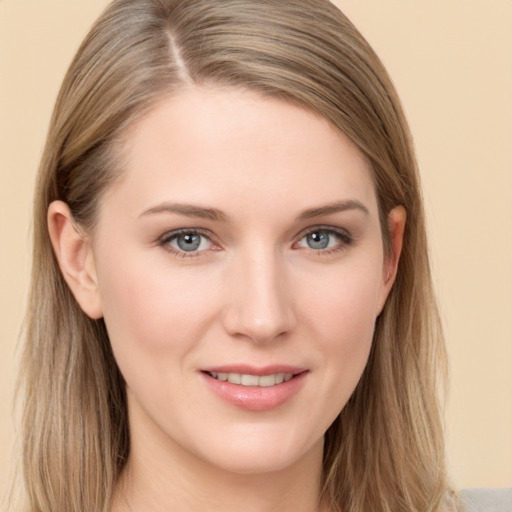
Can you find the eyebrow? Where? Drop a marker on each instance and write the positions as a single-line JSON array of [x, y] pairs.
[[188, 210], [329, 209], [215, 214]]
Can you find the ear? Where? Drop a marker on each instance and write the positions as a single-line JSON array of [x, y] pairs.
[[396, 227], [75, 258]]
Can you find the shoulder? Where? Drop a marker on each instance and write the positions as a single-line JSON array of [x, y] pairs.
[[486, 500]]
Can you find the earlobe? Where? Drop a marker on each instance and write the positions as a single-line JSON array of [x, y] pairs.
[[396, 227], [75, 257]]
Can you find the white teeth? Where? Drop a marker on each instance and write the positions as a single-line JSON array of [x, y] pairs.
[[249, 380], [253, 380], [267, 380], [234, 378]]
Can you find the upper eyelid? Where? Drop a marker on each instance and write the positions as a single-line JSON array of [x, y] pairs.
[[210, 234], [182, 231], [320, 227]]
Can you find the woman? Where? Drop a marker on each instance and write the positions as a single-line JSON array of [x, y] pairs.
[[231, 302]]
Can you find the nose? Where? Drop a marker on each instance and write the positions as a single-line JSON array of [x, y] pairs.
[[260, 299]]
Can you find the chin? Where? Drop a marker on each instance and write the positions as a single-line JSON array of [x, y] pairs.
[[246, 455]]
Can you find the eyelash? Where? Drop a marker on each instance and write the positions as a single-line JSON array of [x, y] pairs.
[[166, 240], [345, 240], [344, 237]]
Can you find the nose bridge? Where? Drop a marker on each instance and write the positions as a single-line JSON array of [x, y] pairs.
[[261, 305]]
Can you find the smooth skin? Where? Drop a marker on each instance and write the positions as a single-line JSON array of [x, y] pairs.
[[243, 230]]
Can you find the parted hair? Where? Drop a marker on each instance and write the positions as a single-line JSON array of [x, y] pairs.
[[385, 451]]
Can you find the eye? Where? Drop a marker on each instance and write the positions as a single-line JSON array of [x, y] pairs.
[[324, 239], [186, 242]]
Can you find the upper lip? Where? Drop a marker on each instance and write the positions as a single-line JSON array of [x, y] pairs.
[[248, 369]]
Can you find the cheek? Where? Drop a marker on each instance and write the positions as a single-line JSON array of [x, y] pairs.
[[345, 304], [341, 316], [149, 308]]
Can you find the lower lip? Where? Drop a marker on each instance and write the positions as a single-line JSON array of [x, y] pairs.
[[256, 398]]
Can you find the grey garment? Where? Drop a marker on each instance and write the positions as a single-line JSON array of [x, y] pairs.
[[486, 500]]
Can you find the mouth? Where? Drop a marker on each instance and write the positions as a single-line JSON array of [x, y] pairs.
[[247, 379], [255, 389]]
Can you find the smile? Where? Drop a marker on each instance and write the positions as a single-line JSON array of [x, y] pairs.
[[255, 388], [245, 379]]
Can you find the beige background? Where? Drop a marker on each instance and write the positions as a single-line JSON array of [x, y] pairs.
[[451, 62]]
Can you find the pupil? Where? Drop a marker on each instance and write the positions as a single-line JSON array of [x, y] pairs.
[[189, 242], [318, 240]]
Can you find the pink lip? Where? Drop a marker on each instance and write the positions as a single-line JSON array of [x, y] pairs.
[[255, 370], [255, 398]]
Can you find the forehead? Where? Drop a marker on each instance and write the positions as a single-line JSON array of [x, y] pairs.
[[226, 144]]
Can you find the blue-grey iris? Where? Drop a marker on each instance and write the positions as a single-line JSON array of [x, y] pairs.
[[318, 240], [189, 242]]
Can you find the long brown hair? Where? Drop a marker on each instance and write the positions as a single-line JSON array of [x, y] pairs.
[[385, 451]]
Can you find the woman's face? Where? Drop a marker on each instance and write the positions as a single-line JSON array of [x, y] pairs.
[[240, 269]]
